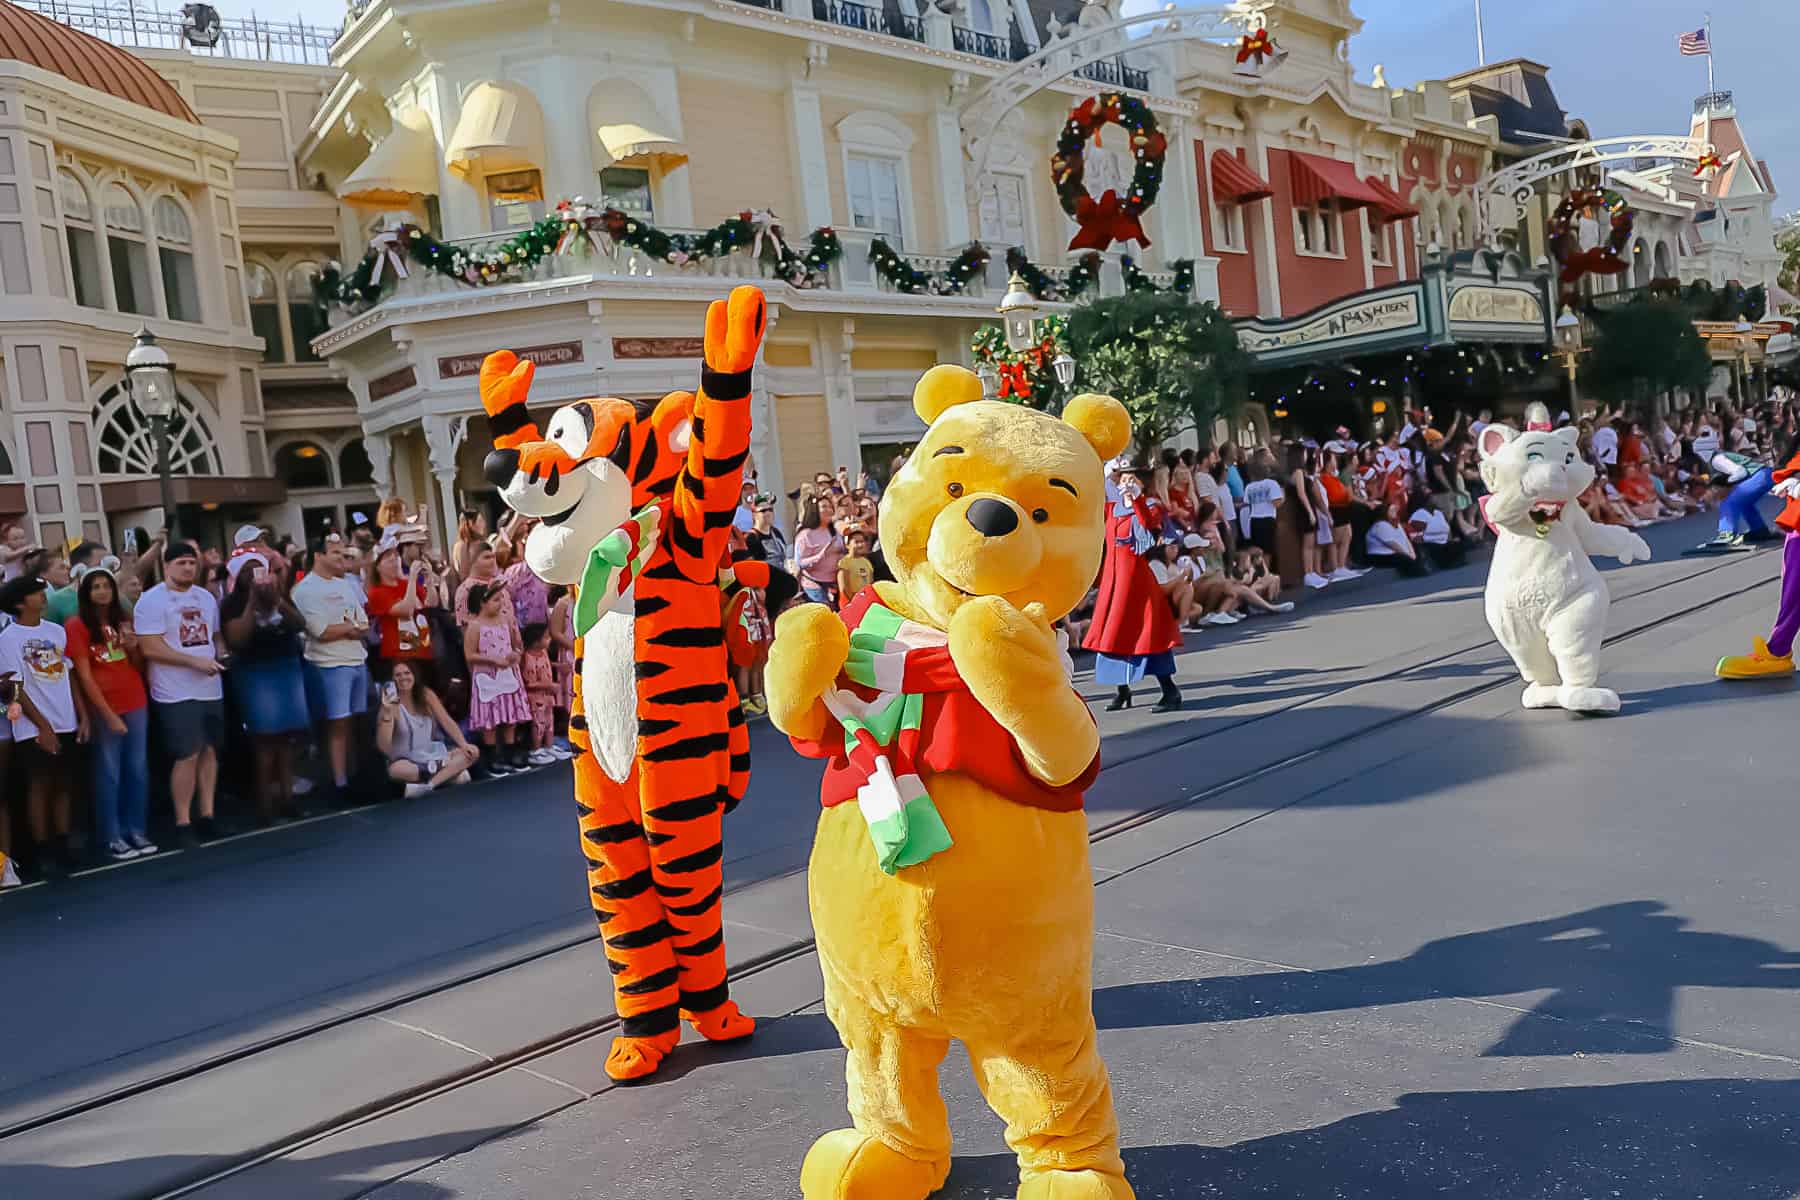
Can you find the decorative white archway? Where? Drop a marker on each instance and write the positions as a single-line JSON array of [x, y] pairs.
[[987, 107], [1502, 196]]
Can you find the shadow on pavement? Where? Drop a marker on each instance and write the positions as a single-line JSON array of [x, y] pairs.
[[1643, 1141], [1191, 752], [349, 1172], [1612, 973]]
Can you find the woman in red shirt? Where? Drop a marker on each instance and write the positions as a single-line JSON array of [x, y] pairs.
[[397, 600], [103, 647]]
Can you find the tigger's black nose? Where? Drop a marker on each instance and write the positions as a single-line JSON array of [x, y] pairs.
[[992, 518], [500, 466]]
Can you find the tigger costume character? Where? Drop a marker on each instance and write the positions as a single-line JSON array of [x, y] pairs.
[[636, 509]]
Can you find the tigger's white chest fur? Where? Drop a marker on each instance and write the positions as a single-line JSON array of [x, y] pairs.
[[609, 687]]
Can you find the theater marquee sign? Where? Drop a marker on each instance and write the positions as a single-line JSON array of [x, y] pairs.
[[1451, 302]]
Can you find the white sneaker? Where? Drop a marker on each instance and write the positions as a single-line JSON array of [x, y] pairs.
[[1344, 574], [120, 850], [541, 758], [415, 790], [1219, 618], [563, 753], [302, 786], [1314, 580], [1284, 606]]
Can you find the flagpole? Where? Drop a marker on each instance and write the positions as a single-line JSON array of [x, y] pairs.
[[1480, 38], [1710, 89]]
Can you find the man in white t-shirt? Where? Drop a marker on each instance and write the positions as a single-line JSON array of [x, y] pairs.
[[1387, 545], [178, 631], [1261, 497], [337, 672], [1605, 442], [52, 718]]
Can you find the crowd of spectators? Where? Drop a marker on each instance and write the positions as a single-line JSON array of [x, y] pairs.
[[162, 684]]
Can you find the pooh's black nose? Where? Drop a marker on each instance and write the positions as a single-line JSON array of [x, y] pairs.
[[500, 466], [991, 518]]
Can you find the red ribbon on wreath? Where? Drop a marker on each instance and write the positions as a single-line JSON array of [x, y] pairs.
[[1105, 221], [1014, 381], [1258, 45]]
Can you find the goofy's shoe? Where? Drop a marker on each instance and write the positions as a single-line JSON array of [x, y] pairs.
[[1760, 663]]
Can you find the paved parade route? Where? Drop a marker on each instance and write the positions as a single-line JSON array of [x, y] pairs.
[[1366, 930]]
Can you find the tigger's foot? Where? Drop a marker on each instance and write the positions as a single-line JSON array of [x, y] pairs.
[[722, 1024], [635, 1059]]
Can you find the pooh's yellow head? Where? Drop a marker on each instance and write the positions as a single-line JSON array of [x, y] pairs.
[[1000, 500]]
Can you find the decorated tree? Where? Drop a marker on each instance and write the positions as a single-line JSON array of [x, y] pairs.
[[1787, 240], [1174, 364], [1644, 349]]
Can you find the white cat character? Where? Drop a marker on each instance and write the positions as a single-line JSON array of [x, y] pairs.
[[1545, 601]]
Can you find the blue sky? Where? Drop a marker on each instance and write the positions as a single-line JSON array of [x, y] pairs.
[[1613, 62]]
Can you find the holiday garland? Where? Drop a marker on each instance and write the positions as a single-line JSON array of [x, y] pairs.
[[1084, 275], [1029, 373], [1565, 240], [564, 232], [902, 276], [1108, 219], [1137, 281]]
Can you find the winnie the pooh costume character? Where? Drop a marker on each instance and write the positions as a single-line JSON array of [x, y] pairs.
[[949, 883]]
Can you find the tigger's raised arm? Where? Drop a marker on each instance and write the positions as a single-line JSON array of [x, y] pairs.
[[711, 481], [505, 383]]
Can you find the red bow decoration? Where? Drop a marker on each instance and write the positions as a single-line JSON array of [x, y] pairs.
[[1597, 260], [1014, 381], [1105, 221], [1258, 45], [1708, 162]]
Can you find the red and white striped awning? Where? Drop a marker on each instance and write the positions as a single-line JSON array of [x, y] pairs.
[[1329, 183], [1391, 206], [1235, 183]]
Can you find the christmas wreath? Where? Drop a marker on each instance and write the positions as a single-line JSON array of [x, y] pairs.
[[1565, 240], [1108, 219], [1027, 376]]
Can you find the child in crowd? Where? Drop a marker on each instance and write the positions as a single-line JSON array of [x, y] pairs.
[[540, 693], [854, 571], [51, 718], [562, 657], [15, 547], [497, 699]]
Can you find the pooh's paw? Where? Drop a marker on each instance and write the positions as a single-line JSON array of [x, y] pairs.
[[848, 1165], [1074, 1185], [810, 648], [989, 635], [734, 330]]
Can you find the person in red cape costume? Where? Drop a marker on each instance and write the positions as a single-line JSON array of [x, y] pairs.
[[1133, 633]]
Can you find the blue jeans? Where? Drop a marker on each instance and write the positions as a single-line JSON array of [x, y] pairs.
[[121, 778], [1737, 513]]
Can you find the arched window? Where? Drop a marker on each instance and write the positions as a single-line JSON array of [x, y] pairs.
[[1664, 267], [265, 310], [304, 317], [127, 443], [303, 465], [84, 248], [175, 251], [354, 467], [126, 250]]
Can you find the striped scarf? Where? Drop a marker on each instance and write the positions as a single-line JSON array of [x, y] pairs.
[[902, 661], [613, 564]]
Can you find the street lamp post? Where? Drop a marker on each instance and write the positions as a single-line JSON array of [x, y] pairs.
[[150, 383], [1018, 314], [1568, 337]]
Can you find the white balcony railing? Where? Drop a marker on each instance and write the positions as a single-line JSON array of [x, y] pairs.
[[853, 274], [145, 26]]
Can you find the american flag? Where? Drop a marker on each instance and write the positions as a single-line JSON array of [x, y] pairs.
[[1696, 42]]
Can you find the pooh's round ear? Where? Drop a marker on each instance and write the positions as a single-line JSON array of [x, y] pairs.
[[944, 387], [1103, 421]]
